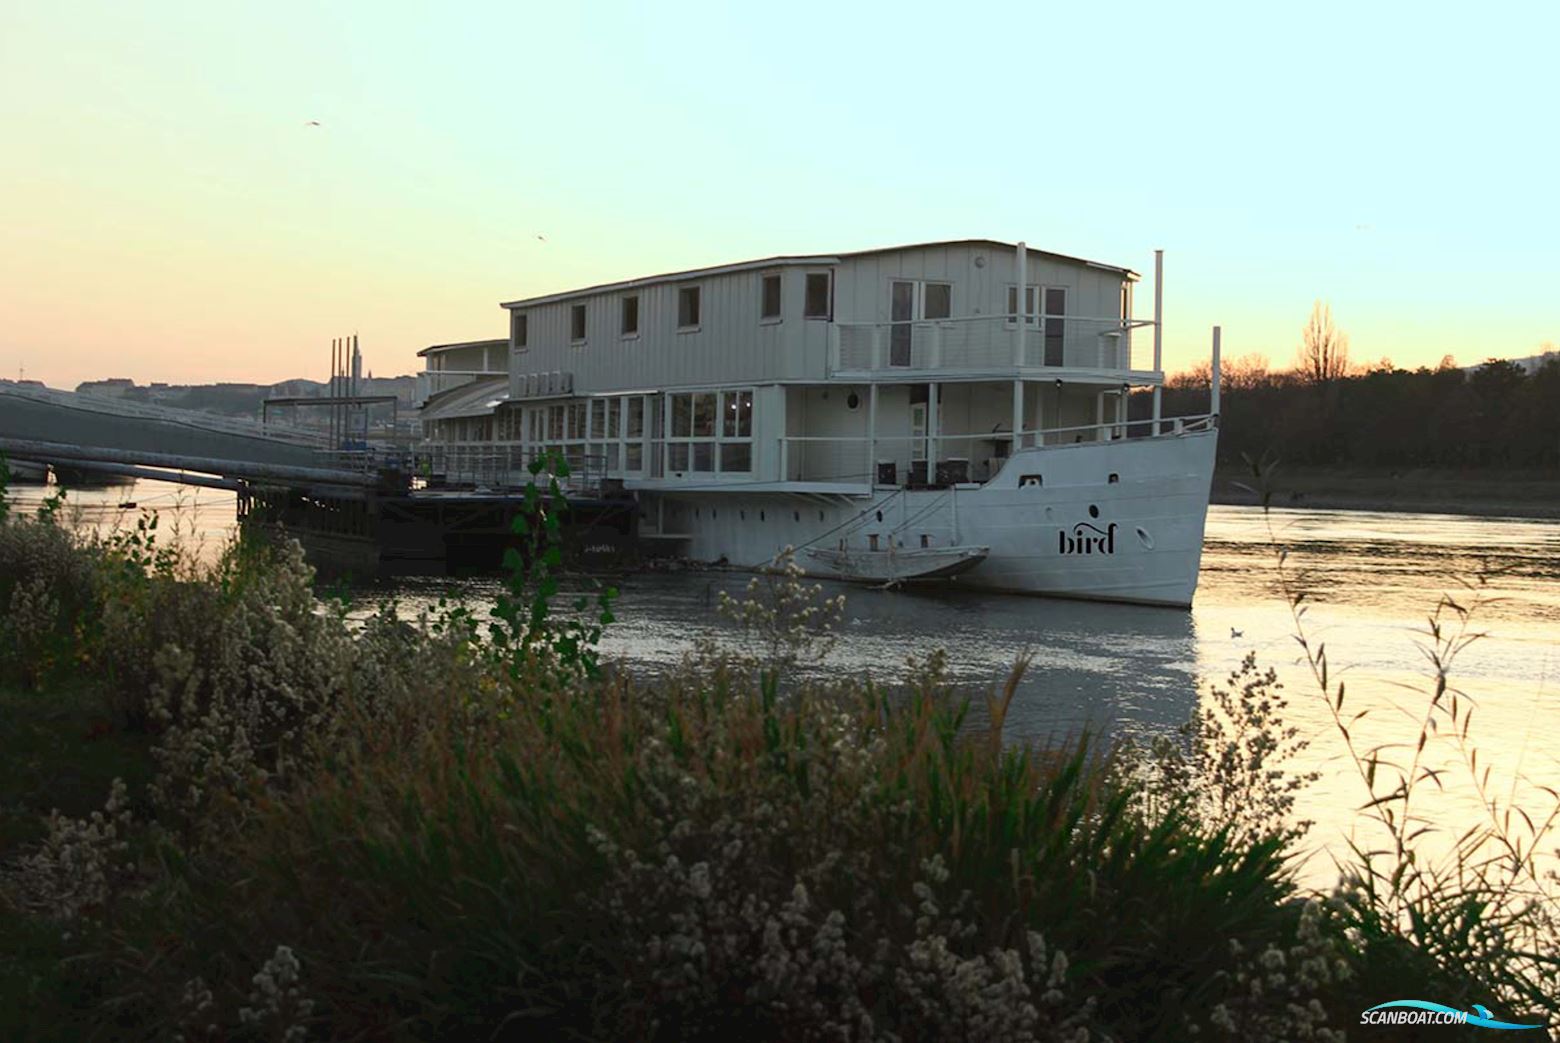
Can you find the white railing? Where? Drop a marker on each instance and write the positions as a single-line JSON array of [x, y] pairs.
[[984, 342], [432, 381], [958, 457], [503, 466]]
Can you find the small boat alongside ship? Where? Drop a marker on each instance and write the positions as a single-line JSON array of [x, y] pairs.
[[949, 410], [893, 565]]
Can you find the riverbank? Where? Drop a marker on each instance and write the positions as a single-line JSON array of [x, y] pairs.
[[376, 828], [1508, 494]]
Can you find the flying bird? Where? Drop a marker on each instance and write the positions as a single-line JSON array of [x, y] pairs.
[[541, 238], [312, 123], [1236, 633]]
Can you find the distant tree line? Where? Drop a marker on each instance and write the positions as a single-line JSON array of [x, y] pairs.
[[1326, 412]]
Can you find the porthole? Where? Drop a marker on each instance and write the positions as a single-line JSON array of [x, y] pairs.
[[796, 515], [742, 515], [1113, 479], [880, 515], [820, 516], [852, 400], [760, 515], [1094, 512]]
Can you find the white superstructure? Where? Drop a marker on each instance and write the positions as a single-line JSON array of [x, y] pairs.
[[969, 393]]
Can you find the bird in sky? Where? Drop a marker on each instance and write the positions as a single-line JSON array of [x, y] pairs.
[[1236, 633], [312, 123], [541, 238]]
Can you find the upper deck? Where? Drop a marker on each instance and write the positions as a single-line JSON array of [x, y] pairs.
[[932, 311]]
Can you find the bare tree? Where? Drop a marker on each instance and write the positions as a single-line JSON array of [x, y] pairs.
[[1324, 351]]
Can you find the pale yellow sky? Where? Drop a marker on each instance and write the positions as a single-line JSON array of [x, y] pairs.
[[169, 214]]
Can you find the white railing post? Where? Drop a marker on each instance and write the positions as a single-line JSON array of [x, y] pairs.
[[1018, 413], [834, 348], [1214, 378], [877, 348], [1020, 305], [1159, 334], [872, 409], [934, 346]]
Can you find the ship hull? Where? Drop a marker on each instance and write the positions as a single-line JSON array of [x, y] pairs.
[[1111, 521]]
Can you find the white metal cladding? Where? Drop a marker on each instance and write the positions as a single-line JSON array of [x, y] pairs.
[[732, 344]]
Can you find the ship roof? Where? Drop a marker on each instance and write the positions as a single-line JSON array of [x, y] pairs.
[[791, 260]]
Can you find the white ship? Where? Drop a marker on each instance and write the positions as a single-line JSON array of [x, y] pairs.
[[953, 409]]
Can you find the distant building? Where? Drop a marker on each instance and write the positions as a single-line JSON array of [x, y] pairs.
[[113, 387]]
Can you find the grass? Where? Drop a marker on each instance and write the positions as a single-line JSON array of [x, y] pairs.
[[62, 749]]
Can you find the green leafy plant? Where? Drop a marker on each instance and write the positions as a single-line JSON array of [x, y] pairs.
[[524, 627]]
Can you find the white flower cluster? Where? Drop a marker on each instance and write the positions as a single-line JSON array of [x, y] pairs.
[[710, 922], [1275, 993], [787, 622], [81, 864], [277, 1004]]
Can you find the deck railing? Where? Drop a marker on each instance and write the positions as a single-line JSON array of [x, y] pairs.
[[503, 466], [954, 458], [984, 342]]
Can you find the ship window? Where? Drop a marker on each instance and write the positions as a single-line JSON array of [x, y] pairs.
[[517, 328], [819, 299], [736, 457], [1030, 479], [577, 324], [1113, 479], [738, 414], [712, 431], [631, 316], [1055, 325], [688, 307], [1029, 305], [938, 301], [769, 305]]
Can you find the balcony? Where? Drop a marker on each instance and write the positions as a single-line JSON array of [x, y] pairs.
[[988, 344]]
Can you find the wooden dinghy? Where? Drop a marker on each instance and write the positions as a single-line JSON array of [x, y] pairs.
[[897, 565]]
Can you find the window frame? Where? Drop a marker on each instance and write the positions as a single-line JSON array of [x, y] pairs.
[[778, 315], [828, 311], [685, 447], [697, 289], [519, 330], [579, 324], [627, 301]]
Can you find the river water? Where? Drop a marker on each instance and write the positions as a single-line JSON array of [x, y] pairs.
[[1373, 580]]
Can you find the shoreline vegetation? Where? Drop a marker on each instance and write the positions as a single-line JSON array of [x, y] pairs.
[[1485, 493], [231, 812]]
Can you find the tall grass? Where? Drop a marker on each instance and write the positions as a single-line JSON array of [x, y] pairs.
[[1473, 915], [417, 831]]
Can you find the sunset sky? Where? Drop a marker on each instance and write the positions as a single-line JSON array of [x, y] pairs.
[[168, 213]]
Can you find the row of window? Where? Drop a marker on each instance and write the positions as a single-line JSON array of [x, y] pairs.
[[817, 303], [702, 431]]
